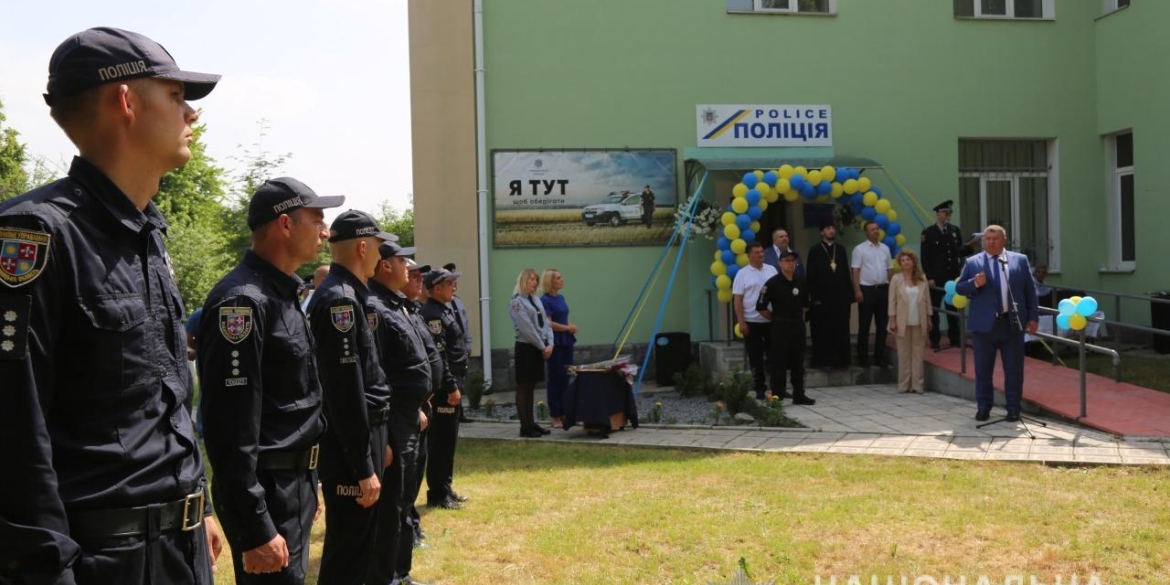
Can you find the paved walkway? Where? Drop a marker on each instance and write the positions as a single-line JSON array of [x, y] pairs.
[[875, 420]]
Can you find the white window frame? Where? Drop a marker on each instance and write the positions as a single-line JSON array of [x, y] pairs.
[[793, 8], [1113, 190], [1108, 6], [1047, 11]]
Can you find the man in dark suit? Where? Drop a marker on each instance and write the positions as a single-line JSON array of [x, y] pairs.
[[780, 244], [1000, 313]]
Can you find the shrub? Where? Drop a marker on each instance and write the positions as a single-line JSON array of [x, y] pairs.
[[693, 382], [475, 389]]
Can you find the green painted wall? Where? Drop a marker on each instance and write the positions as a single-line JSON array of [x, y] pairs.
[[905, 80]]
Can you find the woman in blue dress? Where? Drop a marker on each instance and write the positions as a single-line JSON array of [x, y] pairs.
[[564, 337]]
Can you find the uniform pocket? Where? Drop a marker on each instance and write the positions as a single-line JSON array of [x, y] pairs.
[[116, 340]]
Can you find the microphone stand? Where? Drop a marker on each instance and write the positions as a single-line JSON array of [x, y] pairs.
[[1003, 263]]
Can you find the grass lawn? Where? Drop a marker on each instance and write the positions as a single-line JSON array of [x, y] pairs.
[[1146, 371], [564, 514]]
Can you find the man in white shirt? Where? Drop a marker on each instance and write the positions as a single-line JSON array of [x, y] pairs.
[[871, 286], [754, 327]]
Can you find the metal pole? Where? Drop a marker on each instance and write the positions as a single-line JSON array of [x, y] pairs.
[[1084, 397], [962, 342], [1117, 339], [710, 318]]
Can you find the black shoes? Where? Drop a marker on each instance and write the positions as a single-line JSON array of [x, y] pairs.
[[982, 415], [1012, 417], [803, 400], [446, 504], [534, 432], [457, 497]]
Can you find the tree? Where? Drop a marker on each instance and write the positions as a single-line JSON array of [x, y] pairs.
[[258, 167], [14, 178], [399, 223]]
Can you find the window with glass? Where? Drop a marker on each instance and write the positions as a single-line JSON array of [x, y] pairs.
[[1019, 9], [1122, 206], [1113, 5], [796, 6], [1006, 183]]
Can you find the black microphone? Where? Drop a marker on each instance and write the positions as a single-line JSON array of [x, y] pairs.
[[1002, 260]]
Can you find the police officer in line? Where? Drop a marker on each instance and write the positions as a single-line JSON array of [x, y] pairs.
[[261, 399], [461, 314], [942, 260], [103, 480], [785, 300], [404, 359], [415, 293], [449, 335], [354, 450]]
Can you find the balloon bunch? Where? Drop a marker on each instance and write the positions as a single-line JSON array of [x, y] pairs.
[[953, 298], [758, 189], [1075, 312]]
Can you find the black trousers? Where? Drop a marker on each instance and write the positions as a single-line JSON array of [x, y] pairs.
[[787, 355], [172, 557], [394, 547], [874, 307], [420, 470], [936, 297], [351, 531], [443, 434], [291, 498], [757, 343]]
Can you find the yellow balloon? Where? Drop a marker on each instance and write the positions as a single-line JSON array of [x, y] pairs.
[[759, 174], [718, 256], [738, 246], [731, 232], [785, 171], [882, 205], [870, 198], [863, 184], [849, 186], [727, 218], [892, 215], [755, 226], [828, 173], [783, 186], [772, 197], [738, 333], [881, 234], [900, 240], [1077, 322], [723, 282], [837, 191], [960, 301], [814, 178], [802, 172], [764, 190], [718, 268], [739, 205], [739, 190], [791, 195], [724, 296], [1075, 300], [741, 259], [763, 204]]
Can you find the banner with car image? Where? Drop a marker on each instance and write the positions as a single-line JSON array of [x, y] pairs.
[[584, 197]]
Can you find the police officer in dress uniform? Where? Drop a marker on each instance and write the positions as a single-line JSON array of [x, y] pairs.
[[449, 334], [942, 260], [415, 292], [354, 450], [785, 300], [461, 312], [403, 356], [261, 399], [103, 481]]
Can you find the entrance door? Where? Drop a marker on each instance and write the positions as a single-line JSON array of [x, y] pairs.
[[999, 199]]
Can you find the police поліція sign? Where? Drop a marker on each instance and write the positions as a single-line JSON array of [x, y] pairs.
[[764, 125]]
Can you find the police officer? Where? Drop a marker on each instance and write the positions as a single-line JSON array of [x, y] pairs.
[[103, 480], [415, 292], [785, 300], [354, 450], [403, 356], [942, 260], [449, 334], [261, 399], [460, 313]]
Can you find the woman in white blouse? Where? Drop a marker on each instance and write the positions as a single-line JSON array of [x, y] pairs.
[[534, 345], [910, 320]]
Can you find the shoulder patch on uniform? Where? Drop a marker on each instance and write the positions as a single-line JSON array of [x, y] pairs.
[[14, 316], [23, 254], [342, 317], [235, 323], [435, 325], [372, 317]]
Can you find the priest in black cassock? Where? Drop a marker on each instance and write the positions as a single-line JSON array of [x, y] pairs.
[[829, 285]]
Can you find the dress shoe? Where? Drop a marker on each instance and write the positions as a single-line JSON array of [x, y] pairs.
[[463, 419], [803, 400], [457, 497], [447, 504], [531, 433], [982, 415], [542, 430], [420, 545], [420, 534], [1012, 417]]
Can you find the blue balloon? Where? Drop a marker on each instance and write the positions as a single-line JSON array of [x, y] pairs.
[[753, 197], [795, 181], [876, 190], [858, 198], [728, 257], [894, 228], [857, 208], [751, 180], [755, 213], [714, 282], [894, 251], [807, 189], [950, 287], [1062, 321], [890, 242], [824, 188], [744, 221], [748, 235], [868, 213], [730, 208], [732, 269], [882, 221], [1067, 307], [770, 178], [949, 298], [1087, 306], [723, 243]]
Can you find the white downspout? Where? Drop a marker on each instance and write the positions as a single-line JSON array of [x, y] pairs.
[[485, 321]]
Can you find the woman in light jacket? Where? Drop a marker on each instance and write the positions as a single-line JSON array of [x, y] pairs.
[[534, 346], [909, 320], [564, 338]]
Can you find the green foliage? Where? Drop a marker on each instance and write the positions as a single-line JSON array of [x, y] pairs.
[[770, 413], [736, 392], [258, 166], [14, 179], [693, 382], [655, 414], [399, 223], [475, 388]]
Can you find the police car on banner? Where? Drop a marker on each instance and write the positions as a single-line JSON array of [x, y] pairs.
[[616, 209]]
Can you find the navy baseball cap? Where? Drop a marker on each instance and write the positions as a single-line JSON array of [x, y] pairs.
[[279, 196], [438, 275], [355, 224], [105, 55], [788, 254], [391, 249], [413, 266]]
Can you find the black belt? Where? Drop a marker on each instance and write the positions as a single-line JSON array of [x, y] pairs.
[[185, 514], [380, 415], [1003, 315], [274, 460]]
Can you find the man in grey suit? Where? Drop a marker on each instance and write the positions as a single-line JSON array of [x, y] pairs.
[[1003, 306]]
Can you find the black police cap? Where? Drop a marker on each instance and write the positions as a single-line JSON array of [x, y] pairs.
[[944, 206], [105, 55], [413, 266], [450, 266], [391, 249], [354, 224], [438, 275], [284, 195], [788, 254]]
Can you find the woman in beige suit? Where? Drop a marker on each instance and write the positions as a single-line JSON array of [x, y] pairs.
[[909, 320]]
